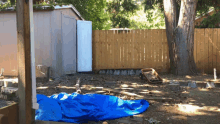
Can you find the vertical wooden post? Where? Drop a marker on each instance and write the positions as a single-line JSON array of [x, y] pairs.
[[26, 113]]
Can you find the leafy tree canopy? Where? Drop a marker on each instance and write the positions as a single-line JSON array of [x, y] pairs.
[[93, 10], [203, 7], [120, 11]]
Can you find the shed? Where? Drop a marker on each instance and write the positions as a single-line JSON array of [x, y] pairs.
[[55, 35]]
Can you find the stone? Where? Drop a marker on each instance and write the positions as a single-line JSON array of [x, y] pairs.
[[124, 72], [174, 87], [102, 72], [111, 72], [131, 72], [210, 85], [107, 72], [117, 72], [138, 72], [192, 84]]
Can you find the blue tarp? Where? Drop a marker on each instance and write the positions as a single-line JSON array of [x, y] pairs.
[[77, 108]]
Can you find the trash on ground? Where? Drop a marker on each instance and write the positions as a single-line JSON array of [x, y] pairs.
[[151, 75], [210, 85], [153, 121]]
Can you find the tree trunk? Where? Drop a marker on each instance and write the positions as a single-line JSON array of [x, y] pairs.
[[181, 37], [171, 22]]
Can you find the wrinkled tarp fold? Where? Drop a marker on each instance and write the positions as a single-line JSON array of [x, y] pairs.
[[77, 108]]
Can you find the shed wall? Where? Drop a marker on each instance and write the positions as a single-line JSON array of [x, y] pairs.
[[48, 43]]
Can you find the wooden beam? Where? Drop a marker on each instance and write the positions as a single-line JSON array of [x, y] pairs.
[[26, 113], [9, 114]]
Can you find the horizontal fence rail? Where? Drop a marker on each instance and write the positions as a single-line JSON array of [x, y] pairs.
[[136, 49]]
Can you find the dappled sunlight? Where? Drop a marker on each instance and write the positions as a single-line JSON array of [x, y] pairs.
[[144, 92], [66, 87], [187, 76], [155, 91], [185, 92], [125, 88], [40, 88], [196, 110], [203, 89], [124, 85], [188, 108]]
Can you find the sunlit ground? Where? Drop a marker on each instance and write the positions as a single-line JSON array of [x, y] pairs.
[[196, 110]]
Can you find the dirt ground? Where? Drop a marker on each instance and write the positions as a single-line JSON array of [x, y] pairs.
[[184, 106]]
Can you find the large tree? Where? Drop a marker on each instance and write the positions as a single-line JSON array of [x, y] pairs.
[[179, 18]]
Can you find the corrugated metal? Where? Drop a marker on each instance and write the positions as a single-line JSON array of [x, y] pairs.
[[84, 46]]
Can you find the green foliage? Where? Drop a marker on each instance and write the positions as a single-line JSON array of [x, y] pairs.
[[4, 7], [149, 19], [212, 21], [92, 10], [120, 10], [203, 6]]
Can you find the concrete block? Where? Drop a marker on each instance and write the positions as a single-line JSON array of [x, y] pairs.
[[138, 72], [192, 84], [111, 72], [131, 72], [124, 72], [107, 72], [102, 72], [117, 72]]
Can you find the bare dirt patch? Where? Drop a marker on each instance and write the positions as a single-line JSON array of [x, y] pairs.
[[187, 105]]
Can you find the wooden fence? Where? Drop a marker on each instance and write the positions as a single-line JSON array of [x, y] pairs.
[[137, 49]]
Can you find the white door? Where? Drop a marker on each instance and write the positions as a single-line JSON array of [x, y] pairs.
[[84, 46]]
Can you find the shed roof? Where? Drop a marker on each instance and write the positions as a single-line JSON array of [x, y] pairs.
[[71, 7], [60, 7]]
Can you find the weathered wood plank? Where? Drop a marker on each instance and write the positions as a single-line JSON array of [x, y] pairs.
[[195, 45], [160, 48], [116, 60], [206, 51], [130, 50], [134, 53], [26, 113], [148, 47], [126, 41], [9, 114], [218, 52], [214, 52], [142, 50], [210, 48]]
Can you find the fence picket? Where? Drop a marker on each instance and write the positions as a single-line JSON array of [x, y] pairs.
[[210, 56], [160, 47], [218, 51], [137, 49], [214, 46]]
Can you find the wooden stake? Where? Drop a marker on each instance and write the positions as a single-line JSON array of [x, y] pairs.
[[26, 113]]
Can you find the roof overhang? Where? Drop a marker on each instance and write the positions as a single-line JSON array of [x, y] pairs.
[[69, 7]]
